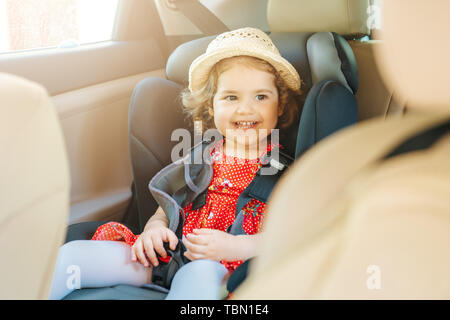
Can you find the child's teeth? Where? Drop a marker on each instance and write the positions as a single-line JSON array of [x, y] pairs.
[[245, 123]]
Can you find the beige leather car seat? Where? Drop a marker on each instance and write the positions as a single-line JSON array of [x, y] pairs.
[[341, 225], [34, 189]]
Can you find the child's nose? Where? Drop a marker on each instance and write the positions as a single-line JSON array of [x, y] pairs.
[[245, 107]]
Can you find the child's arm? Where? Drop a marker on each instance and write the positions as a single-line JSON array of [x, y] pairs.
[[218, 245], [248, 245], [159, 218]]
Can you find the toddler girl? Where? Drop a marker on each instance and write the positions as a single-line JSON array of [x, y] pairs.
[[244, 88]]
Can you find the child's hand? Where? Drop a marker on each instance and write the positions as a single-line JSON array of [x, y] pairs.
[[211, 244], [151, 240]]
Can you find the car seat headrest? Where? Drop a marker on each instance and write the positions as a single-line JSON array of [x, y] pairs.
[[331, 58], [414, 56], [292, 47], [346, 17], [177, 68]]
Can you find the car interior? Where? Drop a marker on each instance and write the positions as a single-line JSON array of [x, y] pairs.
[[89, 125]]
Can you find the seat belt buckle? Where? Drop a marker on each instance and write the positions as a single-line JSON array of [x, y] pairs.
[[164, 260], [169, 253], [163, 274]]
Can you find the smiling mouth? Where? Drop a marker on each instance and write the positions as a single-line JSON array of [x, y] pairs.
[[245, 124]]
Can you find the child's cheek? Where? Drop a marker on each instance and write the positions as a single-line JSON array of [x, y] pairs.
[[221, 121]]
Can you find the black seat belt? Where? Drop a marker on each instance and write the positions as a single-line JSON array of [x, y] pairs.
[[206, 21], [420, 141]]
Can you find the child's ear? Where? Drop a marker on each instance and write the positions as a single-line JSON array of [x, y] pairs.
[[211, 111], [280, 111]]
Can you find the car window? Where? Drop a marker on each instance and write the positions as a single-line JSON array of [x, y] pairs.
[[31, 24], [374, 18]]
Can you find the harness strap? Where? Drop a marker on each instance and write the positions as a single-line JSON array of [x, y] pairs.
[[200, 200], [262, 184], [163, 274], [421, 141]]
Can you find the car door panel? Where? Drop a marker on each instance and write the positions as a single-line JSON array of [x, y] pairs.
[[63, 70], [95, 125]]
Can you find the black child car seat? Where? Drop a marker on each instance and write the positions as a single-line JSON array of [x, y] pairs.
[[328, 70]]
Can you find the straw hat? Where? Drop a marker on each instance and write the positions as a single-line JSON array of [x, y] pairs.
[[245, 41]]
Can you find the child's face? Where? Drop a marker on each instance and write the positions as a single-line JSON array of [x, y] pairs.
[[245, 103]]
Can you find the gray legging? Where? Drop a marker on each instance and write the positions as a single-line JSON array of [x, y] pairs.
[[91, 264]]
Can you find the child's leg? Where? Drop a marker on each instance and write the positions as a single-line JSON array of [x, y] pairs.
[[198, 280], [95, 264]]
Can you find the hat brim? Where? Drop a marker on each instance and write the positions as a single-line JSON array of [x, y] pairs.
[[202, 65]]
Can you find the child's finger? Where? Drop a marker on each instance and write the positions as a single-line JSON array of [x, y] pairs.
[[150, 254], [133, 255], [172, 239], [193, 248], [159, 246], [188, 255], [202, 231], [193, 256], [197, 239], [140, 254]]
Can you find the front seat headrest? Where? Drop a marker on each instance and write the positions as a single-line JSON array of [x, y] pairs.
[[331, 58], [345, 17], [414, 58]]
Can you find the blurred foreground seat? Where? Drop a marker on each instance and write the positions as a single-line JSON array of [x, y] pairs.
[[34, 189], [348, 222]]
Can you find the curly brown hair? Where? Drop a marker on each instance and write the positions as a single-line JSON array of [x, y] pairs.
[[196, 105]]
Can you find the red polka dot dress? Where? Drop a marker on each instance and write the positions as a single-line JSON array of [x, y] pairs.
[[231, 175]]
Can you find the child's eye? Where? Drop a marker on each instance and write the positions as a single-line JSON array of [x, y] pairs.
[[230, 98], [261, 97]]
